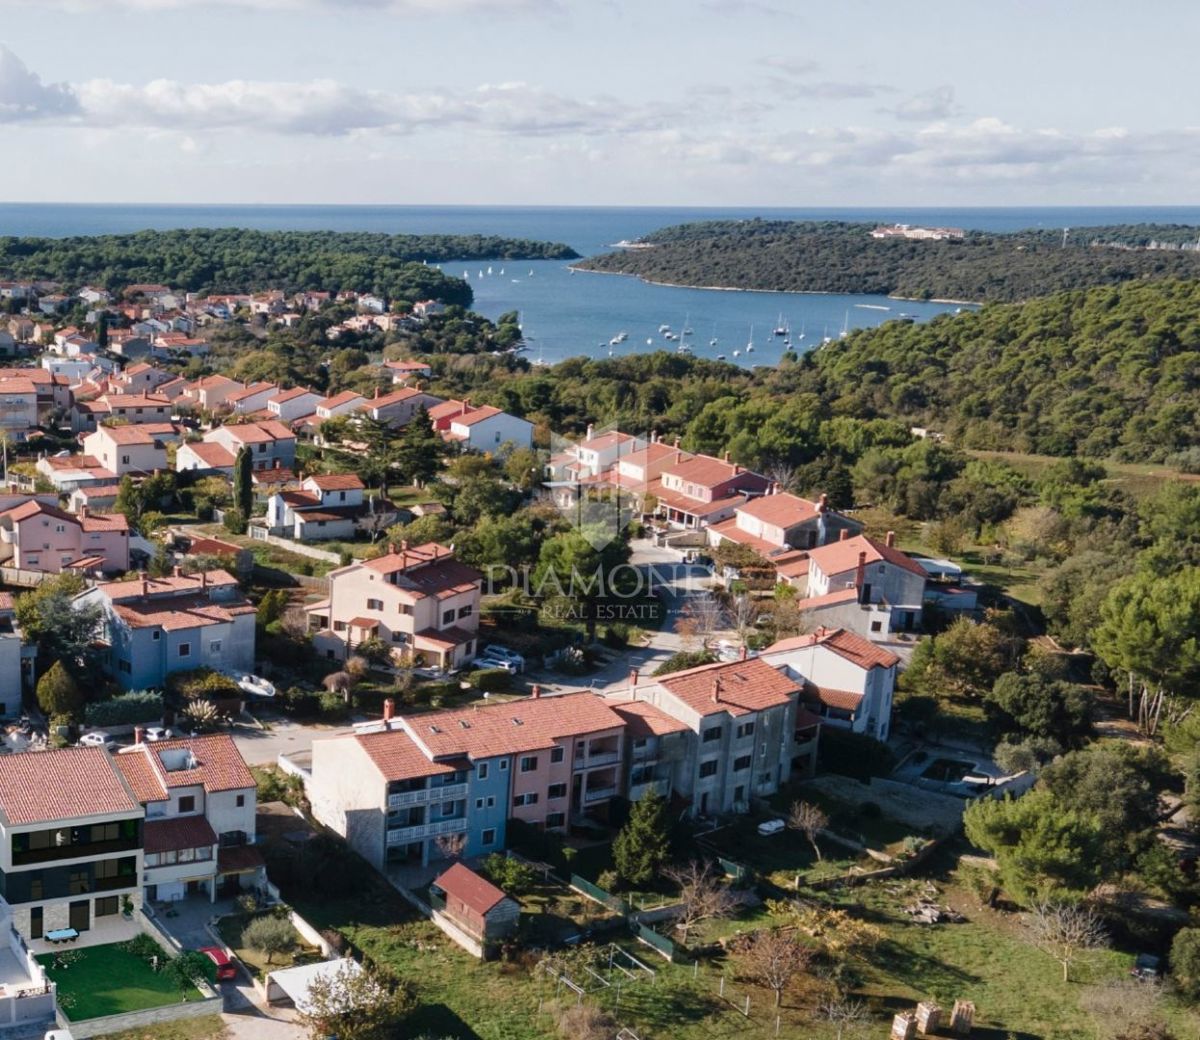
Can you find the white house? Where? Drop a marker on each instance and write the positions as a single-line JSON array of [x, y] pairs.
[[482, 428], [270, 443], [289, 405], [129, 449], [325, 506]]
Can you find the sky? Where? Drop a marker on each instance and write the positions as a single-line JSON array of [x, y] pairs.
[[604, 102]]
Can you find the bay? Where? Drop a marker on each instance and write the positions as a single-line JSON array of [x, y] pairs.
[[565, 314]]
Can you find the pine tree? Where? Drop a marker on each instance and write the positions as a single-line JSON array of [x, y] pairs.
[[642, 848], [102, 331], [421, 450], [243, 491]]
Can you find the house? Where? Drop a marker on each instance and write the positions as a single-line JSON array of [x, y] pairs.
[[696, 491], [657, 748], [867, 586], [474, 904], [847, 680], [340, 404], [421, 601], [129, 344], [35, 536], [267, 482], [289, 405], [130, 449], [140, 378], [126, 407], [405, 372], [53, 303], [53, 391], [8, 343], [325, 506], [593, 456], [68, 472], [70, 846], [16, 660], [18, 406], [100, 498], [93, 294], [200, 801], [777, 523], [744, 729], [393, 788], [398, 408], [372, 304], [428, 308], [210, 393], [151, 627], [252, 398], [270, 443], [482, 428]]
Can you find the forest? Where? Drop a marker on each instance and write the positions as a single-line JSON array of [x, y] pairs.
[[230, 260], [795, 256]]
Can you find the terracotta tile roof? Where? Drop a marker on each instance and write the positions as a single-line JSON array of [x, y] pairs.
[[839, 557], [441, 638], [274, 475], [445, 410], [126, 435], [33, 507], [781, 510], [652, 453], [843, 700], [212, 762], [337, 482], [118, 591], [253, 390], [180, 613], [729, 530], [104, 522], [292, 394], [180, 832], [396, 397], [6, 601], [407, 366], [141, 776], [793, 566], [694, 506], [216, 456], [643, 719], [345, 397], [708, 472], [476, 893], [239, 859], [40, 787], [829, 599], [17, 386], [137, 401], [745, 686], [476, 415], [213, 546], [427, 570], [396, 757], [216, 382], [254, 433], [606, 440], [845, 644], [512, 728]]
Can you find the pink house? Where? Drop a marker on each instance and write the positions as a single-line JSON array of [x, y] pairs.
[[39, 537]]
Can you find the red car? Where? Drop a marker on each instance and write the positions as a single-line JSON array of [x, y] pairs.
[[226, 969]]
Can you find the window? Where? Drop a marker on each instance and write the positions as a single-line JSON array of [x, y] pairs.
[[157, 635], [214, 646], [488, 838], [503, 764], [640, 744], [526, 799], [124, 460], [708, 768], [739, 793], [374, 604], [447, 617], [745, 729], [741, 762], [78, 881], [187, 855], [240, 801], [79, 915], [711, 734], [106, 906], [478, 803], [876, 626], [481, 771], [187, 803], [152, 859], [557, 754], [557, 791], [125, 667], [35, 888], [185, 649], [529, 763], [35, 922], [466, 611], [491, 802], [556, 819]]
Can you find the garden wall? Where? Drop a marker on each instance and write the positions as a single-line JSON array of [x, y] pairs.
[[88, 1027]]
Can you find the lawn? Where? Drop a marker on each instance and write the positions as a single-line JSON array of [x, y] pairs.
[[208, 1027], [231, 928], [109, 980]]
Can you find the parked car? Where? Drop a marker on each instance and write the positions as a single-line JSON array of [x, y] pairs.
[[497, 652], [495, 662], [768, 827], [226, 969], [157, 733], [1145, 968], [97, 738]]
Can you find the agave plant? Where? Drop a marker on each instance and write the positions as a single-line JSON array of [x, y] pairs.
[[201, 716]]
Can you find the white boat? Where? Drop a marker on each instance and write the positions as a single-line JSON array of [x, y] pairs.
[[531, 272], [620, 337], [845, 327], [670, 336], [502, 270], [489, 270], [466, 274], [649, 342], [750, 342], [481, 272], [683, 348], [801, 336], [872, 307], [720, 357], [664, 328], [781, 328], [737, 353], [687, 329]]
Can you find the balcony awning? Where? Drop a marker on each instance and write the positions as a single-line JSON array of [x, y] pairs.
[[366, 623], [446, 639], [182, 832], [239, 859]]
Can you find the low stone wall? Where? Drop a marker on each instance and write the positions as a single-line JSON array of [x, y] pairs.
[[88, 1027]]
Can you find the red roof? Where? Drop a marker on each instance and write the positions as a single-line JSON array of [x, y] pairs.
[[179, 832], [56, 785], [216, 456], [845, 644], [736, 687], [254, 433], [839, 557], [474, 892], [212, 762], [781, 510], [397, 758], [843, 700], [643, 719], [345, 397], [708, 472], [337, 482]]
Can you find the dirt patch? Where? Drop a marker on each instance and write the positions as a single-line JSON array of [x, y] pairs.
[[914, 806]]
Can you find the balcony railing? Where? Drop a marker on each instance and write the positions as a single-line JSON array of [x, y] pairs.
[[598, 794], [450, 793], [597, 759], [84, 850], [403, 835]]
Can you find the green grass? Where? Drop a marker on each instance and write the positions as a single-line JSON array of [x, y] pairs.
[[108, 980], [207, 1027], [230, 929]]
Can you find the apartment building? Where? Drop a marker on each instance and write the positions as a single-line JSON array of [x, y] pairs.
[[35, 536], [70, 845], [777, 523], [394, 791], [151, 627], [422, 601], [480, 428], [200, 802], [130, 449], [16, 660]]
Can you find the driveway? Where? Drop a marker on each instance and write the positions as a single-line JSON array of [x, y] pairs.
[[260, 747]]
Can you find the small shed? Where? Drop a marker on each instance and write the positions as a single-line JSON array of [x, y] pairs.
[[474, 904], [291, 984]]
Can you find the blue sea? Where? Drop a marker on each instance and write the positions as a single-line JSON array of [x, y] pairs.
[[566, 314]]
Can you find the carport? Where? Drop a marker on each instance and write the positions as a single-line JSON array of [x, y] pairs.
[[292, 984]]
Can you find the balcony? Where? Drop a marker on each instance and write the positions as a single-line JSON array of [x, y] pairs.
[[403, 835], [450, 793], [660, 787], [597, 759], [83, 850], [599, 794]]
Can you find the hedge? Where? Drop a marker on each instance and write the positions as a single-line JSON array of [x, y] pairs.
[[125, 710], [491, 680], [853, 754]]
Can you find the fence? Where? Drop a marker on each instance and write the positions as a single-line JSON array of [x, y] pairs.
[[23, 578], [260, 534], [599, 895], [667, 947]]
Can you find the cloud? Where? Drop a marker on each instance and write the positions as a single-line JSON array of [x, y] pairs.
[[425, 8], [826, 90], [792, 66], [23, 95], [935, 103]]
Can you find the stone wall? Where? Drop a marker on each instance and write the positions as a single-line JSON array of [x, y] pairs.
[[90, 1027]]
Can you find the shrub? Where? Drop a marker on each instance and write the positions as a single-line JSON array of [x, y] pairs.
[[688, 659], [235, 521], [201, 716], [141, 945], [491, 680], [345, 558], [202, 684], [608, 880], [58, 693], [854, 754], [300, 702], [617, 635], [126, 709], [509, 874], [333, 706]]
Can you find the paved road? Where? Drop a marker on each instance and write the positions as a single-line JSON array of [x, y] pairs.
[[263, 746]]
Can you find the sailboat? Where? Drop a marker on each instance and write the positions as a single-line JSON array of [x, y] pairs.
[[489, 269], [781, 328], [801, 336], [502, 270], [466, 274], [826, 338], [750, 344], [737, 353], [713, 342], [845, 326]]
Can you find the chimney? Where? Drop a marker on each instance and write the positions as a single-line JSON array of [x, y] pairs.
[[145, 584], [654, 436], [389, 710], [822, 502], [404, 545], [536, 692], [204, 579], [139, 735], [377, 393], [890, 541], [677, 440], [392, 548], [860, 575], [843, 534], [736, 469], [742, 653], [591, 431], [633, 677], [716, 689], [83, 511], [726, 456], [176, 571]]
